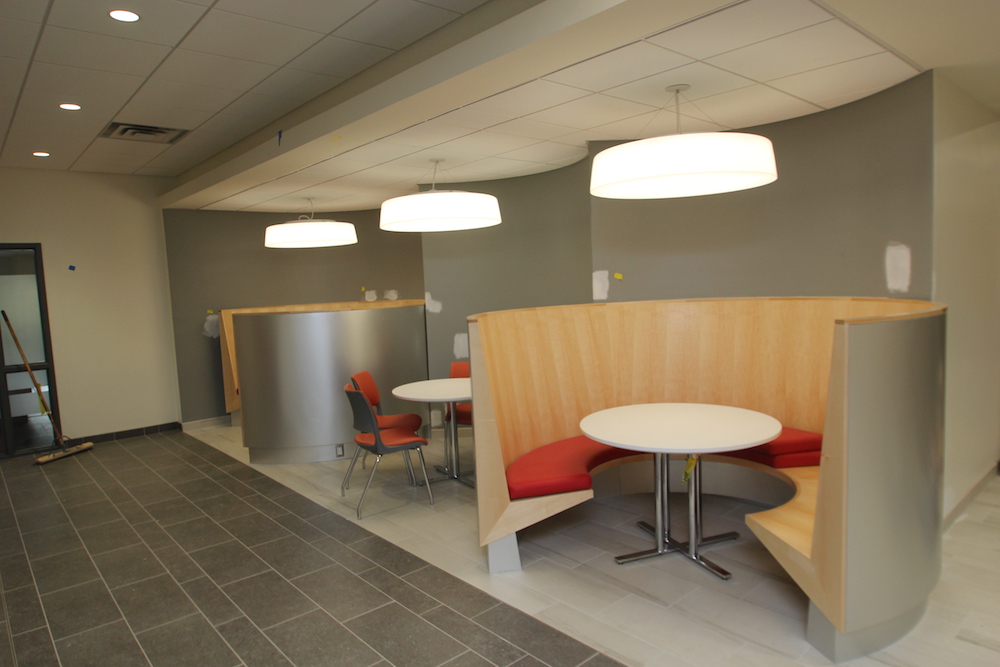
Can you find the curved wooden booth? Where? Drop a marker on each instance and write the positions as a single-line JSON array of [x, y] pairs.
[[862, 534]]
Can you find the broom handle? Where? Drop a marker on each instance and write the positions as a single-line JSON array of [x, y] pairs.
[[38, 387]]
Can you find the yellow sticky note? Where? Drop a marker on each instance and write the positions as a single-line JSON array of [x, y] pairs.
[[619, 276]]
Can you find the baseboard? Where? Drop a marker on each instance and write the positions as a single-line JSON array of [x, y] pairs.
[[122, 435]]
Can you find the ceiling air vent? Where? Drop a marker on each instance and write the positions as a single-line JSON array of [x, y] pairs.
[[150, 133]]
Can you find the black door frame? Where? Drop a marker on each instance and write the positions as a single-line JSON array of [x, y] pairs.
[[10, 446]]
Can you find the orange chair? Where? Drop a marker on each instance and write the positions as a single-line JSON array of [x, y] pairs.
[[365, 383], [460, 369], [380, 442]]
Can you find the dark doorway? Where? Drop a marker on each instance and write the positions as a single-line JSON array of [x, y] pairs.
[[26, 425]]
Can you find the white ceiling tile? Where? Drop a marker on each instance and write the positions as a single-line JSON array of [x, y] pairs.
[[26, 137], [378, 152], [386, 174], [295, 84], [62, 46], [17, 38], [133, 150], [262, 107], [81, 82], [332, 168], [449, 159], [12, 71], [524, 127], [173, 104], [620, 66], [529, 98], [817, 46], [157, 171], [395, 24], [499, 167], [232, 125], [488, 143], [317, 15], [548, 152], [184, 95], [745, 107], [846, 82], [427, 134], [657, 124], [739, 26], [161, 21], [327, 190], [247, 38], [336, 56], [207, 69], [460, 6], [24, 10], [472, 119], [590, 111], [42, 108], [705, 81]]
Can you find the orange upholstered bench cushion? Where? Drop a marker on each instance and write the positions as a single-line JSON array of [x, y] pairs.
[[793, 448], [559, 467]]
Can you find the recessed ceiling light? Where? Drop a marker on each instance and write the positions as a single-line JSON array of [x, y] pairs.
[[124, 16], [70, 107], [40, 154]]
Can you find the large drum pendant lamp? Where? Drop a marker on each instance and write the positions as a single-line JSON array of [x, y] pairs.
[[439, 210], [683, 165], [307, 232], [310, 233]]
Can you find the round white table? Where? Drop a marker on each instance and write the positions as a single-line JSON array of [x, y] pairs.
[[692, 429], [449, 391]]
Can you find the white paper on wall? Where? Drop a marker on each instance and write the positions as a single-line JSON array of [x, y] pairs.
[[461, 346], [211, 327], [431, 305], [898, 267], [602, 285]]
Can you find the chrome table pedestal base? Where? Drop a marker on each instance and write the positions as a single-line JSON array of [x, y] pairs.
[[661, 531]]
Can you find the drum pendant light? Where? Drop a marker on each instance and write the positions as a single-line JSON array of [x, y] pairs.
[[683, 165], [439, 210], [307, 232]]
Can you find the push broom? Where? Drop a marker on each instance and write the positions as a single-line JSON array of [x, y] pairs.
[[60, 439]]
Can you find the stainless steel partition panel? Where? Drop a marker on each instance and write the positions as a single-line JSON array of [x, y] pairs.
[[293, 368], [895, 467]]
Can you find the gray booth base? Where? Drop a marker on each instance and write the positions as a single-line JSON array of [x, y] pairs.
[[317, 454], [843, 646]]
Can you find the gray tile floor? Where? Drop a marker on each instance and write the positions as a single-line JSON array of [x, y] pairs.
[[162, 550]]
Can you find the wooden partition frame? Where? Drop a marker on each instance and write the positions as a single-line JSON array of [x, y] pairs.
[[227, 341], [536, 372]]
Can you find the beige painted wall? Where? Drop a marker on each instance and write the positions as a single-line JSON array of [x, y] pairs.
[[110, 317], [967, 278]]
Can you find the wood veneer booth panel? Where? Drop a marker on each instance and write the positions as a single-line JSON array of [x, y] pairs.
[[867, 373]]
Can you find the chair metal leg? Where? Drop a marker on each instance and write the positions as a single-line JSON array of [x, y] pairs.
[[409, 468], [365, 493], [347, 478], [423, 468]]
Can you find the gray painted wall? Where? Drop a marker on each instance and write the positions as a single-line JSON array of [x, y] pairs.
[[538, 256], [851, 181], [217, 260]]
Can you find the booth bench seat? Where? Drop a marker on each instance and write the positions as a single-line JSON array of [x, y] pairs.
[[568, 465]]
